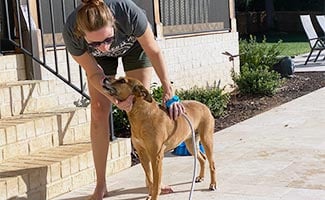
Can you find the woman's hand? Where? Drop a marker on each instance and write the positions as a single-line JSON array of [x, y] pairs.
[[175, 109]]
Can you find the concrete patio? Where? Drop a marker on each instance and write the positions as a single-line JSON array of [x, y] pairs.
[[279, 154]]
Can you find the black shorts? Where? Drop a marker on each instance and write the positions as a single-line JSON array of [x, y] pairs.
[[136, 58]]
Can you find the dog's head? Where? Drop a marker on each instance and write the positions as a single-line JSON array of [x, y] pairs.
[[123, 87]]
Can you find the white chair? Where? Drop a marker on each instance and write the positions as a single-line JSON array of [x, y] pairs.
[[316, 43], [321, 22]]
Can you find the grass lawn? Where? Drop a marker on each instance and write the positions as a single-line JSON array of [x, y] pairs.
[[292, 44], [294, 48]]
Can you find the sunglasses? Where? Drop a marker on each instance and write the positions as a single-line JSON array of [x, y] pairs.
[[108, 40]]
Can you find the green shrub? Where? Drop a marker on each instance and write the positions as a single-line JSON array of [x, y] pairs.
[[257, 76], [120, 121], [257, 81], [157, 92], [213, 97], [256, 54]]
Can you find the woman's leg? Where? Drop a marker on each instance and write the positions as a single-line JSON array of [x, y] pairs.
[[143, 74], [99, 134]]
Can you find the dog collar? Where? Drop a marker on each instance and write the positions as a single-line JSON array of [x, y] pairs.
[[171, 101]]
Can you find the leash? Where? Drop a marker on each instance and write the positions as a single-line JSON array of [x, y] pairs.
[[175, 99], [195, 156]]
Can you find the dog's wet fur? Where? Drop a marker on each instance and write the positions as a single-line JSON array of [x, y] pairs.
[[153, 132]]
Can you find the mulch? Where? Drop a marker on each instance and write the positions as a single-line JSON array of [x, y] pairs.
[[242, 107]]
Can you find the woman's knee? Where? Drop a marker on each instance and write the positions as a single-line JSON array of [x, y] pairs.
[[100, 105], [100, 110]]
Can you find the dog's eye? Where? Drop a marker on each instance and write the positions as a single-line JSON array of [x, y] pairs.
[[122, 80]]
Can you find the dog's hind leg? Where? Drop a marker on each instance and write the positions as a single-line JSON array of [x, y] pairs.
[[206, 135], [200, 156]]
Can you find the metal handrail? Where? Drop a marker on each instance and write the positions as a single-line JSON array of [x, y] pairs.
[[29, 52]]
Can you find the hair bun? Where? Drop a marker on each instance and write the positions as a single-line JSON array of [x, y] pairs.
[[96, 2]]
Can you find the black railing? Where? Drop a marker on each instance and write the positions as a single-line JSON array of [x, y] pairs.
[[21, 33]]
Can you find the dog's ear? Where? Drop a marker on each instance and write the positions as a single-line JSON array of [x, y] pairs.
[[140, 90]]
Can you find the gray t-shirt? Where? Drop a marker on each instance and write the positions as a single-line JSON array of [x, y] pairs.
[[130, 22]]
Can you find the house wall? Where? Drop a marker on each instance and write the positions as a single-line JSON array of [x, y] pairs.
[[198, 60], [192, 61]]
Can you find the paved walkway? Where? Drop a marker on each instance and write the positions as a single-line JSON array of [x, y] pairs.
[[279, 154], [311, 66]]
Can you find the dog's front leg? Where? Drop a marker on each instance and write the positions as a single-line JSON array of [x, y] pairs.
[[156, 163], [146, 165]]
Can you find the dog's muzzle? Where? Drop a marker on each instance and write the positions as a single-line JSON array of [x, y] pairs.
[[108, 87]]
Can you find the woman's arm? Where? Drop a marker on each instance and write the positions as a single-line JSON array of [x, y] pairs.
[[153, 51], [94, 73], [96, 76]]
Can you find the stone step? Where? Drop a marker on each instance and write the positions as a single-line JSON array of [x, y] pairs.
[[52, 172], [29, 133], [19, 97], [12, 68]]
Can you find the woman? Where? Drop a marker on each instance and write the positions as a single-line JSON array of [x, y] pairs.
[[96, 34]]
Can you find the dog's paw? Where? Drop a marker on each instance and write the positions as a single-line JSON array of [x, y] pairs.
[[199, 179], [213, 187], [166, 189], [148, 198]]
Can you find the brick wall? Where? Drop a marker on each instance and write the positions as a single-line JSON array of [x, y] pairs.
[[198, 60], [12, 68]]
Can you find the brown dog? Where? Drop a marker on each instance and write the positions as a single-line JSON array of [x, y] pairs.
[[153, 132]]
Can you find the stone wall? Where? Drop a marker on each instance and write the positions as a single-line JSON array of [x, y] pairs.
[[198, 60], [12, 68]]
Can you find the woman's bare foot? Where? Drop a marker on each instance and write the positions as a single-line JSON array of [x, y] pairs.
[[99, 194]]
